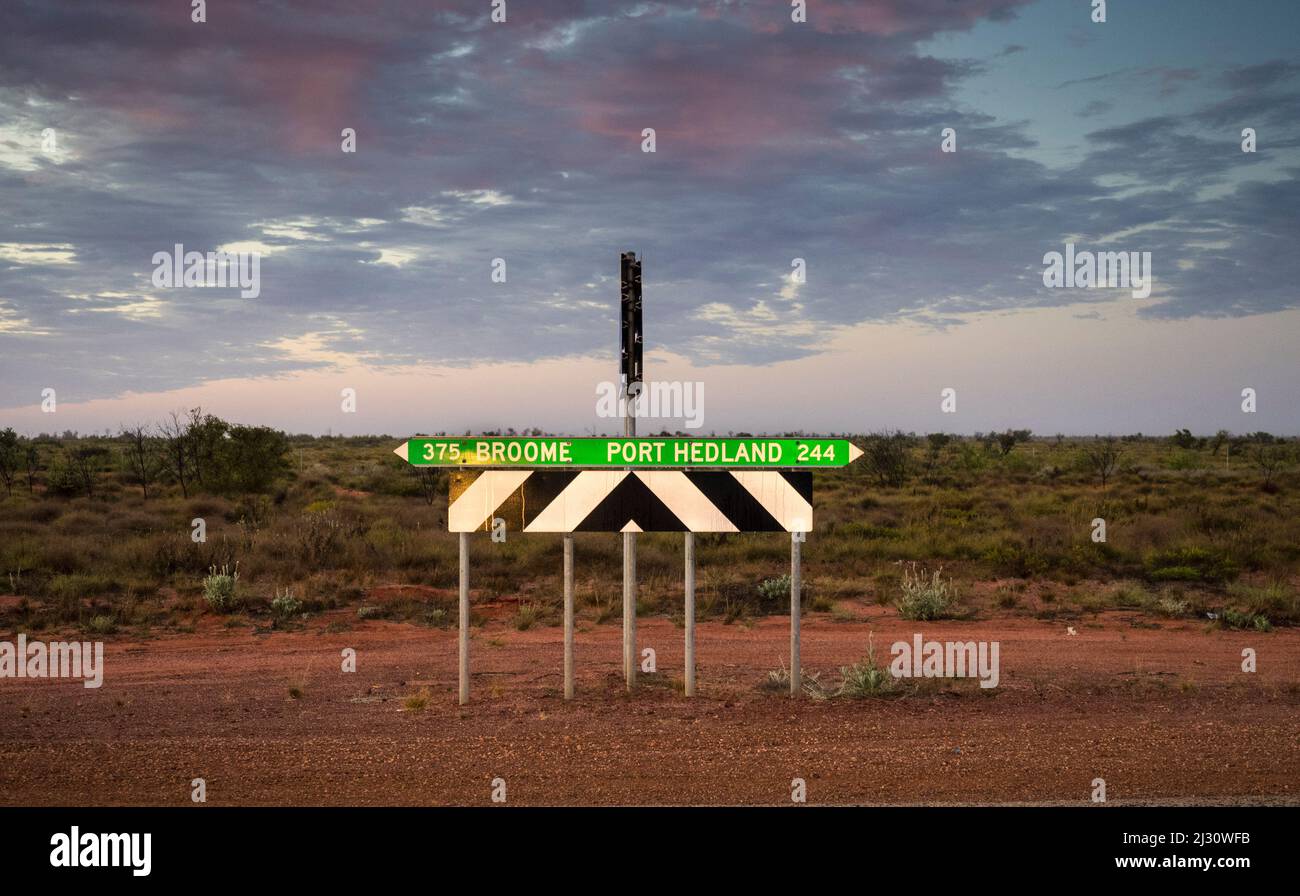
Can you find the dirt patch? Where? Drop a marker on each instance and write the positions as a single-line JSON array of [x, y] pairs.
[[1163, 714]]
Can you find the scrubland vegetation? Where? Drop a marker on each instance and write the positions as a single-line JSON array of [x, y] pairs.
[[96, 532]]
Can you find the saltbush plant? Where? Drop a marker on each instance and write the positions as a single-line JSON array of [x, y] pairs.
[[866, 678], [221, 588], [925, 596], [285, 605], [775, 590]]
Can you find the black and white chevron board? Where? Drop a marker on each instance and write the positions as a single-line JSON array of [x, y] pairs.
[[631, 500]]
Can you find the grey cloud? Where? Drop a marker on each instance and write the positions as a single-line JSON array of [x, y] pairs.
[[1257, 77], [823, 146]]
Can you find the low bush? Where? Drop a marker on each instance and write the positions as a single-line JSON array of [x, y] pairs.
[[285, 605], [221, 588], [866, 678], [925, 596]]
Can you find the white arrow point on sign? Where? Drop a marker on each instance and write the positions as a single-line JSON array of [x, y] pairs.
[[402, 452], [854, 452]]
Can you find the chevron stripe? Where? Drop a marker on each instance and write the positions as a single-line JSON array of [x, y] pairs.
[[779, 498], [623, 501], [484, 494], [687, 502], [734, 501], [576, 502]]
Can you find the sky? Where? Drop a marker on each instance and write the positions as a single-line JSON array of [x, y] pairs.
[[775, 140]]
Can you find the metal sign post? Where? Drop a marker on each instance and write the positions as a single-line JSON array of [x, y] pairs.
[[631, 373], [568, 617], [464, 618], [689, 613], [796, 589]]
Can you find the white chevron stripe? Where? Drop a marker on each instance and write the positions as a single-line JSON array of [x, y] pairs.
[[778, 498], [484, 495], [578, 499], [686, 501]]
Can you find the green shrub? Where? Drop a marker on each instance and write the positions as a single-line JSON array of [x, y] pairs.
[[1231, 618], [69, 593], [1190, 564], [778, 681], [527, 616], [1275, 602], [774, 591], [887, 457], [1016, 560], [867, 679], [866, 530], [1176, 574], [1132, 594], [250, 458], [221, 588], [925, 596], [285, 605], [437, 617], [102, 625], [1171, 607], [78, 586]]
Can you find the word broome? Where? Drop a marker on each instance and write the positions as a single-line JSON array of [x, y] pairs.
[[499, 451], [628, 501]]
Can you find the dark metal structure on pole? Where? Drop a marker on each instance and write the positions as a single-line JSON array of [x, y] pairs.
[[632, 372], [631, 365]]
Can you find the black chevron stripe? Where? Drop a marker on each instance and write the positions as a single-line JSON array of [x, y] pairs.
[[540, 489], [800, 481], [735, 502], [631, 501], [457, 482]]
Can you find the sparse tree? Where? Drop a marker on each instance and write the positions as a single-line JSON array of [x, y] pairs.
[[175, 435], [888, 456], [81, 466], [251, 457], [142, 457], [1008, 440], [1269, 454], [1102, 456], [10, 458], [935, 443], [32, 462], [430, 482], [204, 437]]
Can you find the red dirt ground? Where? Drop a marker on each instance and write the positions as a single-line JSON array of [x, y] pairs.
[[1163, 714]]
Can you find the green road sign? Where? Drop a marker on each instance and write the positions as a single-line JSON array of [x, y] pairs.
[[643, 452]]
